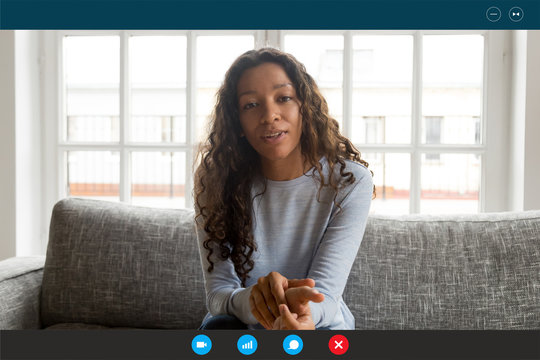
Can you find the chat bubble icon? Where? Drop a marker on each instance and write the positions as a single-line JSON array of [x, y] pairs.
[[293, 345]]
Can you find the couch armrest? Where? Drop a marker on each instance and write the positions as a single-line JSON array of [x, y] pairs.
[[20, 287]]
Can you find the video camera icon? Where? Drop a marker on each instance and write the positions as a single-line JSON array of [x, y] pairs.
[[201, 344]]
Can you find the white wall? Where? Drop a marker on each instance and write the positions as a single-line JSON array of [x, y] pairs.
[[28, 143], [7, 144], [20, 144], [532, 127], [524, 161]]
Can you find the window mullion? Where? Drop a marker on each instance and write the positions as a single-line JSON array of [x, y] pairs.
[[61, 120], [274, 38], [347, 84], [125, 193], [416, 126], [190, 114], [260, 39]]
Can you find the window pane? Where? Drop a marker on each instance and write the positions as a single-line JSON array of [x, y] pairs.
[[382, 89], [452, 86], [158, 179], [158, 88], [391, 176], [323, 58], [450, 183], [91, 80], [93, 174], [215, 54]]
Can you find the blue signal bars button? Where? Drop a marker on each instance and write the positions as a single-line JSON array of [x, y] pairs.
[[247, 344]]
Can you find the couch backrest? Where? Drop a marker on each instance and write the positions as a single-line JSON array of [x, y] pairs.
[[126, 266], [122, 266], [448, 272]]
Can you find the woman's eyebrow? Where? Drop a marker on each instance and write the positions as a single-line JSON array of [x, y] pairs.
[[281, 85], [277, 86]]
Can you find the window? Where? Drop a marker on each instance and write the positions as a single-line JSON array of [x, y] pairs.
[[134, 106]]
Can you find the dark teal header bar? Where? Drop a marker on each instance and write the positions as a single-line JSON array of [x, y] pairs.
[[269, 14]]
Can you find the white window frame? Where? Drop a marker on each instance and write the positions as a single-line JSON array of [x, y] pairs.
[[493, 149], [494, 146]]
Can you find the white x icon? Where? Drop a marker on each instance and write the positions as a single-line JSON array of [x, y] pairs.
[[338, 344]]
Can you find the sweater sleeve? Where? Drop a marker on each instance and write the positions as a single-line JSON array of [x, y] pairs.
[[224, 292], [338, 248]]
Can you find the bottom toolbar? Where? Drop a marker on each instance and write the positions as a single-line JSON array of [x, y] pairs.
[[236, 344]]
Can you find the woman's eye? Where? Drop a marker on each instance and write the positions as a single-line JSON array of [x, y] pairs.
[[286, 98], [249, 106]]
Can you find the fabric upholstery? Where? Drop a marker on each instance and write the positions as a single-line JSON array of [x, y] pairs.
[[453, 272], [123, 266], [20, 285]]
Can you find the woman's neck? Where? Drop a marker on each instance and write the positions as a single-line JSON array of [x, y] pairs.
[[284, 169]]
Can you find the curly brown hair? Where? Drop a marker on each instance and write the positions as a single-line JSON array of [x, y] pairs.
[[223, 179]]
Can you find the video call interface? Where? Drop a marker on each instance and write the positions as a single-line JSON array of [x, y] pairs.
[[412, 86]]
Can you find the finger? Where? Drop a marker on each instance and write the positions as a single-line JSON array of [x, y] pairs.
[[298, 298], [288, 320], [269, 288], [277, 324], [304, 294], [300, 282], [262, 306], [314, 295], [277, 285], [256, 313]]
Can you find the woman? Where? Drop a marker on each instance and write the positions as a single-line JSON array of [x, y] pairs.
[[281, 201]]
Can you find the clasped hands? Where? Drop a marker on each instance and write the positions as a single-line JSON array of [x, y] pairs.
[[279, 303]]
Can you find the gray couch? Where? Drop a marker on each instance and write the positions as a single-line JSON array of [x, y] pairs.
[[121, 266]]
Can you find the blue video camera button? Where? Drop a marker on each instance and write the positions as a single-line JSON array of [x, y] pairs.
[[201, 344]]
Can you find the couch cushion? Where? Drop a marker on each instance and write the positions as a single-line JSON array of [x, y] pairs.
[[122, 266], [20, 286], [448, 272]]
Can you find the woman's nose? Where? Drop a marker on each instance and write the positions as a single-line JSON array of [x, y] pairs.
[[270, 114]]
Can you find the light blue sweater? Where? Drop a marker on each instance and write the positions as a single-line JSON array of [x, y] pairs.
[[299, 237]]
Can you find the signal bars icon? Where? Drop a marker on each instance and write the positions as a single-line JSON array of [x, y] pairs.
[[247, 344]]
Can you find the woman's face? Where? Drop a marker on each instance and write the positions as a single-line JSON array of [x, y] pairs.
[[269, 113]]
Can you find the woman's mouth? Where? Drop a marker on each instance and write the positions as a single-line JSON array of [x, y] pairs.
[[274, 137]]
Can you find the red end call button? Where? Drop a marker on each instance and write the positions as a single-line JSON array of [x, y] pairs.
[[338, 344]]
